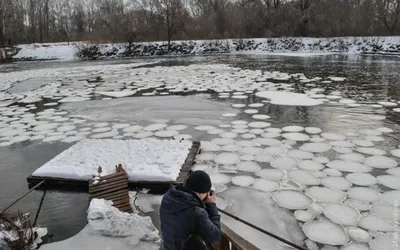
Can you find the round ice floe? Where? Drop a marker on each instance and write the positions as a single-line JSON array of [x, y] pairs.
[[243, 180], [240, 126], [341, 144], [46, 126], [209, 146], [387, 212], [304, 215], [317, 139], [155, 127], [316, 147], [101, 125], [201, 167], [248, 166], [293, 129], [260, 117], [220, 179], [336, 183], [257, 131], [66, 128], [380, 162], [240, 131], [358, 234], [251, 111], [299, 154], [176, 127], [284, 162], [359, 205], [259, 124], [270, 174], [270, 135], [391, 197], [363, 143], [333, 136], [267, 142], [223, 141], [248, 136], [142, 135], [256, 105], [238, 105], [20, 138], [389, 181], [342, 150], [347, 166], [321, 159], [325, 232], [319, 174], [291, 199], [394, 171], [166, 133], [231, 148], [324, 194], [245, 143], [296, 136], [265, 185], [205, 157], [303, 177], [239, 122], [54, 138], [363, 194], [311, 165], [374, 138], [215, 131], [247, 157], [273, 130], [313, 130], [120, 125], [100, 130], [384, 130], [315, 209], [370, 132], [71, 139], [203, 128], [388, 104], [353, 157], [228, 135], [263, 158], [361, 179], [395, 152], [341, 214], [229, 114], [224, 125], [355, 246], [371, 151], [239, 96], [383, 242], [227, 159], [375, 223], [104, 135], [132, 129], [251, 150]]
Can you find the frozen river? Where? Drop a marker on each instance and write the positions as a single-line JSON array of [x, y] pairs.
[[335, 146]]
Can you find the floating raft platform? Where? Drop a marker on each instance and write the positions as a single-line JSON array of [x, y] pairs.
[[68, 184]]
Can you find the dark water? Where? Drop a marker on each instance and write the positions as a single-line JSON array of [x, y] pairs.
[[370, 79]]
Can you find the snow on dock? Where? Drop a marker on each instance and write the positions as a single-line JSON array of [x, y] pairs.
[[145, 161]]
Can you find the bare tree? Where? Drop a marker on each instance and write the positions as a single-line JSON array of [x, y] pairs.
[[174, 15], [388, 12]]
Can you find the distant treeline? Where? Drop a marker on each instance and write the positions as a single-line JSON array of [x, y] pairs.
[[30, 21]]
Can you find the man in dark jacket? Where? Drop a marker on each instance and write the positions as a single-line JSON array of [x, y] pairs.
[[190, 212]]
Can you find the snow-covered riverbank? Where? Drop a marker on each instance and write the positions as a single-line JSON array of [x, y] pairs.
[[296, 46]]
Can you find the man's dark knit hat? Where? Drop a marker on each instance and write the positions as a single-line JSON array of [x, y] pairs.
[[199, 182]]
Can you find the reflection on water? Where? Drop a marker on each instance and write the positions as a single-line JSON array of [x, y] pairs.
[[370, 78]]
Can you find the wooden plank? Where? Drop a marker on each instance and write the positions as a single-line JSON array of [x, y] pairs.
[[100, 187], [121, 201], [237, 241], [110, 190], [106, 189]]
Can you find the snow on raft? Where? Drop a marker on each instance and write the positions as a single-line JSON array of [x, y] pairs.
[[109, 228], [152, 160], [288, 98]]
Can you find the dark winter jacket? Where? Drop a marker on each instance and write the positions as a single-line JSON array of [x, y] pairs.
[[183, 214]]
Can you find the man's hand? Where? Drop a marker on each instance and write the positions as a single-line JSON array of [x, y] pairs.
[[211, 197]]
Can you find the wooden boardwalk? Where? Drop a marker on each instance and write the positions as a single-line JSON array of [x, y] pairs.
[[82, 185], [112, 187]]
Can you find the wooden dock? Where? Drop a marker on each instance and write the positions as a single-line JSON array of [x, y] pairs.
[[113, 187], [82, 185]]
